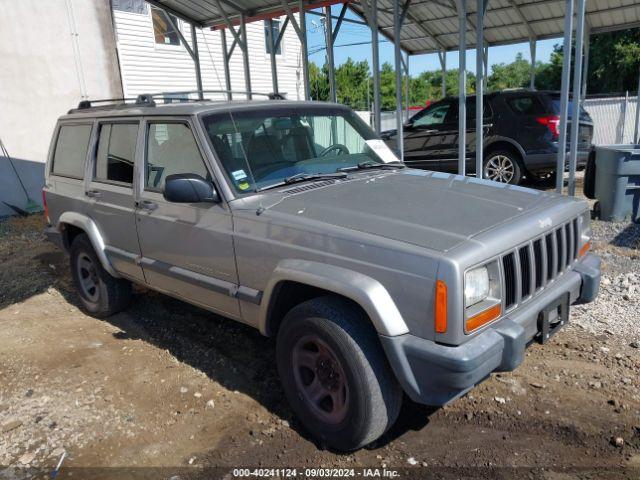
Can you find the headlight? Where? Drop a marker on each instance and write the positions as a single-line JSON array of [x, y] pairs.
[[476, 286], [482, 295]]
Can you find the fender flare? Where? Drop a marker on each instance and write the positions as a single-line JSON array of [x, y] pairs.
[[496, 139], [95, 237], [367, 292]]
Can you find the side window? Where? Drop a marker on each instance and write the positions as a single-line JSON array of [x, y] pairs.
[[526, 105], [275, 31], [171, 149], [71, 150], [434, 116], [116, 153]]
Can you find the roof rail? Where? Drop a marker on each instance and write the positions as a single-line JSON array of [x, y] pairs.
[[149, 99]]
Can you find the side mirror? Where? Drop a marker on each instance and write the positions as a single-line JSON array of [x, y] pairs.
[[189, 188]]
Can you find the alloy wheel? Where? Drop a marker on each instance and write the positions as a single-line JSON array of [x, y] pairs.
[[499, 168]]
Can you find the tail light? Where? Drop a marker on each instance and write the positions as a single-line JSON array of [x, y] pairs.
[[44, 204], [552, 122]]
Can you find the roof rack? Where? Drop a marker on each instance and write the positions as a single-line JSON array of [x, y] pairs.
[[149, 99]]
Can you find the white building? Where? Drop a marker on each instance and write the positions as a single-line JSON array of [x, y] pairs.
[[87, 49], [153, 59]]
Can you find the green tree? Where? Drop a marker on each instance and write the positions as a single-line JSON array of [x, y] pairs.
[[512, 75]]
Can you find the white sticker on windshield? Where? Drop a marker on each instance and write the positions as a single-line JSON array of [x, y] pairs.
[[382, 150], [238, 175]]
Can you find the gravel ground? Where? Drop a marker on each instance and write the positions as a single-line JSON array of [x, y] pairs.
[[165, 390]]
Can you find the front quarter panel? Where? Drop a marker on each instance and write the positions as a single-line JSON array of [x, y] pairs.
[[390, 280]]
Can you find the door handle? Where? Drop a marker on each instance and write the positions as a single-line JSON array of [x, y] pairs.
[[93, 193], [148, 205], [488, 125]]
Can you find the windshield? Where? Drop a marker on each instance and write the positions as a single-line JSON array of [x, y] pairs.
[[266, 148]]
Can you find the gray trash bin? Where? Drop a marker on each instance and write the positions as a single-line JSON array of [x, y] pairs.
[[618, 182]]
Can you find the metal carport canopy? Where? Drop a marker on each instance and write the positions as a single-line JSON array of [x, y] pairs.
[[431, 26]]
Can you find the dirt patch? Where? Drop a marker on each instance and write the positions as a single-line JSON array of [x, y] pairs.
[[165, 384]]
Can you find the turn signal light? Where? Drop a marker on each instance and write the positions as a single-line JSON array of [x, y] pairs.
[[584, 249], [483, 318], [441, 307]]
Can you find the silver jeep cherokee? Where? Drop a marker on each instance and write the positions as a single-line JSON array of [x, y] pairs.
[[293, 217]]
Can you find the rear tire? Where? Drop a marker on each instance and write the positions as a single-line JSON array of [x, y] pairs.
[[335, 373], [502, 166], [101, 294]]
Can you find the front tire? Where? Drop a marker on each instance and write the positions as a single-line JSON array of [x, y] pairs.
[[502, 166], [101, 294], [335, 374]]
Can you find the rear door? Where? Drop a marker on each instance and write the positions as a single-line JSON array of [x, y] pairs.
[[427, 140], [109, 192], [187, 249]]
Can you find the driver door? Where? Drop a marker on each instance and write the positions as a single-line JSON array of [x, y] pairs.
[[427, 137], [187, 249]]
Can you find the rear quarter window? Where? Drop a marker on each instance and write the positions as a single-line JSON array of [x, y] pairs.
[[526, 105], [71, 150]]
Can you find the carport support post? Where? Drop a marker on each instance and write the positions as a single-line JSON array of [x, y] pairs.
[[196, 61], [225, 63], [245, 57], [272, 56], [371, 15], [564, 95], [398, 59], [304, 51], [486, 58], [443, 66], [481, 5], [462, 87], [406, 89], [585, 65], [532, 73], [328, 32], [577, 84], [635, 139]]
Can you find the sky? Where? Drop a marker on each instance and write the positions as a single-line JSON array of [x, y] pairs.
[[350, 33]]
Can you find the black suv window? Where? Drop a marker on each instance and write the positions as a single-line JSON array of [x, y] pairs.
[[71, 150], [526, 105], [116, 152], [434, 115]]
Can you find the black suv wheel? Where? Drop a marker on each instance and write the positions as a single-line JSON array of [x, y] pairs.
[[502, 166], [335, 373], [100, 293]]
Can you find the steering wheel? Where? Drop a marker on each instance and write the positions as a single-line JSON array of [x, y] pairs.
[[336, 146]]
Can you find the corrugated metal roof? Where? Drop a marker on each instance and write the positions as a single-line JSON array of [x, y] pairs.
[[432, 25]]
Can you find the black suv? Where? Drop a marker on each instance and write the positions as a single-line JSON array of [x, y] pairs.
[[520, 135]]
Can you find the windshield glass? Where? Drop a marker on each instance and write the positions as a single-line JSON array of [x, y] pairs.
[[261, 149]]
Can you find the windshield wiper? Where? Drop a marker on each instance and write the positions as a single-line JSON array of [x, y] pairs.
[[304, 177], [372, 164]]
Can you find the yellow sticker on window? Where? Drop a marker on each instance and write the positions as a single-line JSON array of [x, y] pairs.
[[243, 185]]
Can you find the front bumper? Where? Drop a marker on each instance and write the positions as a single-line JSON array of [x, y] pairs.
[[435, 374]]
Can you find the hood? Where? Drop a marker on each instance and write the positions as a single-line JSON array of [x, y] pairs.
[[428, 209]]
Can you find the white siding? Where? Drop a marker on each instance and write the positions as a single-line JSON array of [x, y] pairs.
[[147, 67]]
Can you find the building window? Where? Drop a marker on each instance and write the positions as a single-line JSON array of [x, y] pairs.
[[130, 6], [275, 32], [163, 30]]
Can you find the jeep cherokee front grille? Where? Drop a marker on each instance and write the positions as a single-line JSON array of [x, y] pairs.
[[529, 268]]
